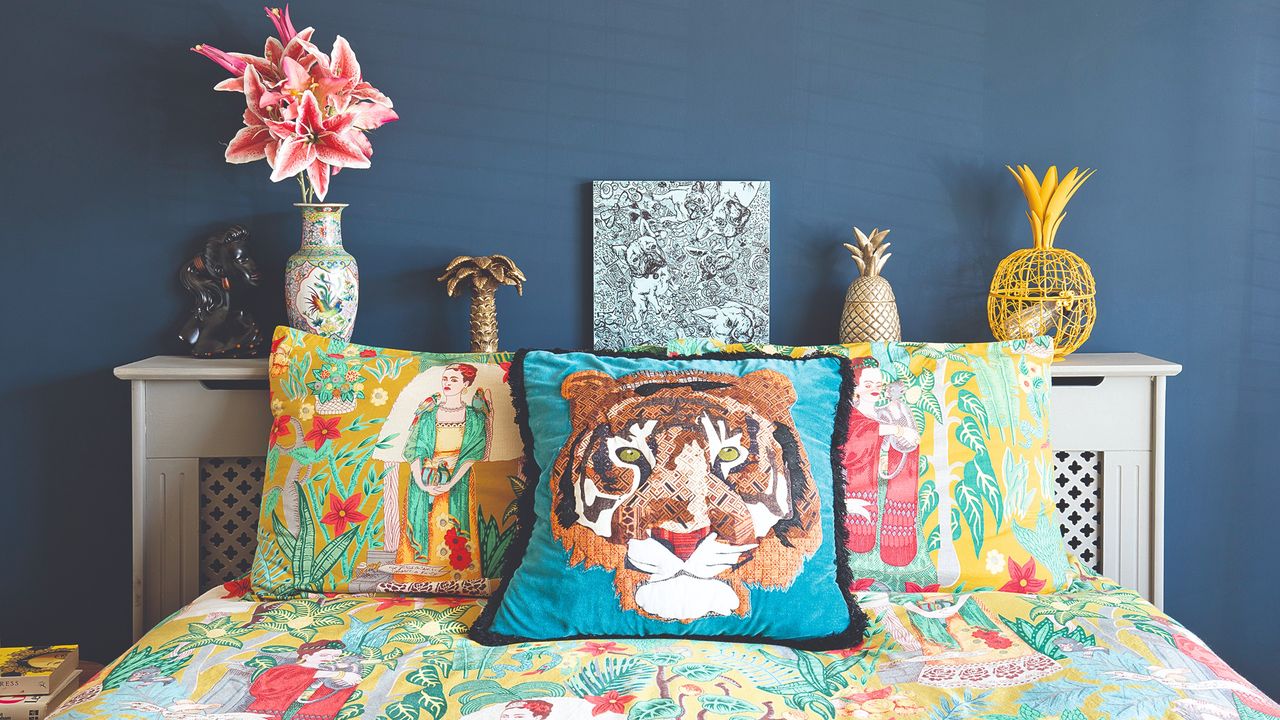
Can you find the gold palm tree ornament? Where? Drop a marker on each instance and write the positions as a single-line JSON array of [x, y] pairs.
[[870, 309], [486, 275], [1044, 290]]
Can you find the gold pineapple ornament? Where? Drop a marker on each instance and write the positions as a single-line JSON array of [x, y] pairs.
[[486, 275], [870, 310], [1044, 290]]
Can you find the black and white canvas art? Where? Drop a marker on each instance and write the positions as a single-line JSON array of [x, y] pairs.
[[680, 259]]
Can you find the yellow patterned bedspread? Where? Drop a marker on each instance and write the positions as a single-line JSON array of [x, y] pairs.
[[1098, 651]]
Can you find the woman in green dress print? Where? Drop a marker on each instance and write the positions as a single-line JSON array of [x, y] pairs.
[[446, 438]]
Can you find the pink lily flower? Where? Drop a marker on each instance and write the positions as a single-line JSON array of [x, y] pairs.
[[305, 113], [300, 48], [235, 63], [229, 61], [269, 64], [284, 26], [297, 80], [255, 140], [313, 142], [370, 116], [345, 65]]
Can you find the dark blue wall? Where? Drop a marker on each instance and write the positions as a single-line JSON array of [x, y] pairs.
[[875, 113]]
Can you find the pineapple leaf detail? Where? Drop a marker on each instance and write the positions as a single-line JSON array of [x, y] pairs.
[[870, 253]]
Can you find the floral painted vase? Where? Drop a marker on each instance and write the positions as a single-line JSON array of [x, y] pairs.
[[321, 280]]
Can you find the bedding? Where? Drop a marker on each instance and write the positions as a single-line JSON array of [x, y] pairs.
[[947, 467], [387, 470], [1093, 650], [683, 497]]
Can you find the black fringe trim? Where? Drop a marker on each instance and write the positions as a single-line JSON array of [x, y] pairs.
[[481, 630]]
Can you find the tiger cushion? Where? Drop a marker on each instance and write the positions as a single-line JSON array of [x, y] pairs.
[[677, 498]]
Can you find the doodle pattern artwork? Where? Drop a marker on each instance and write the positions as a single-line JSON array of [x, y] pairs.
[[680, 259]]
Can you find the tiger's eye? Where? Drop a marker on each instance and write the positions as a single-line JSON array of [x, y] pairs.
[[728, 454], [627, 454]]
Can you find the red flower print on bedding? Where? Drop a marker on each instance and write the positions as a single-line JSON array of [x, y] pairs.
[[610, 702], [1022, 578]]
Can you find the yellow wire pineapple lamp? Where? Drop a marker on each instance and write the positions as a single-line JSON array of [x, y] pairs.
[[1044, 290]]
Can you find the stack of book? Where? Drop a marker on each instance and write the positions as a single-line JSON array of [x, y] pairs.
[[34, 681]]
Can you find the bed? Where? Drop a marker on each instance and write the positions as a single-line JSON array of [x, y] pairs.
[[1098, 650], [1095, 649]]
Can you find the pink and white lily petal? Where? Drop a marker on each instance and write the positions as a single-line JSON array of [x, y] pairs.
[[310, 119], [264, 66], [343, 60], [301, 49], [273, 51], [272, 149], [234, 84], [371, 117], [318, 173], [340, 123], [340, 151], [365, 91], [361, 140], [250, 144], [283, 129], [292, 157], [254, 90]]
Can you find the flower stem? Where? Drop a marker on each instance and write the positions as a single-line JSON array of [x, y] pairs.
[[308, 192]]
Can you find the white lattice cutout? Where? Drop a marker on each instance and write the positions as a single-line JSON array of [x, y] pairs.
[[1077, 480], [230, 494]]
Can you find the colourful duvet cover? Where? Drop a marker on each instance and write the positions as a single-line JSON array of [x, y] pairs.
[[1096, 651]]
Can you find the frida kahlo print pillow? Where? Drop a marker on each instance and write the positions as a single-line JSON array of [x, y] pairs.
[[387, 470], [677, 498], [948, 474]]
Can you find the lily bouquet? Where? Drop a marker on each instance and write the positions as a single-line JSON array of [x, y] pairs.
[[306, 113]]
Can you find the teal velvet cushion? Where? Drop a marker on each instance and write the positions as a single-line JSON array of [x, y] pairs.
[[677, 498]]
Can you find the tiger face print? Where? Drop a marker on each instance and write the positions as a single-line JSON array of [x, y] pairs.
[[690, 486]]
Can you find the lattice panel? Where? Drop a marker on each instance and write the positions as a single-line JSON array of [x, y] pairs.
[[230, 493], [1077, 479]]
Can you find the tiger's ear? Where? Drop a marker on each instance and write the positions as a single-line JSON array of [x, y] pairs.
[[587, 388], [769, 385]]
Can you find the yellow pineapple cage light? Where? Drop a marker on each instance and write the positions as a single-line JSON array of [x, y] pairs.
[[1044, 290]]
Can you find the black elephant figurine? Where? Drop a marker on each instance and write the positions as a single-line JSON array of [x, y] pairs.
[[219, 326]]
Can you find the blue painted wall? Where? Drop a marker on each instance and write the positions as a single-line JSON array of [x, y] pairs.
[[875, 113]]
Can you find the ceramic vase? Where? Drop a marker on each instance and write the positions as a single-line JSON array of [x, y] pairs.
[[321, 280]]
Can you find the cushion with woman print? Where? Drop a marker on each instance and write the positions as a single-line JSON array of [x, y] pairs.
[[387, 470], [948, 474], [677, 498]]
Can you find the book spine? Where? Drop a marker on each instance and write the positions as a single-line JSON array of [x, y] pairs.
[[19, 712], [30, 685]]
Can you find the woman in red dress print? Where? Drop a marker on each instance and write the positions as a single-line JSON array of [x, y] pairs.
[[313, 688], [882, 444]]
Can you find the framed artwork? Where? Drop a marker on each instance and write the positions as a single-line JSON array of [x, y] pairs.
[[683, 258]]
